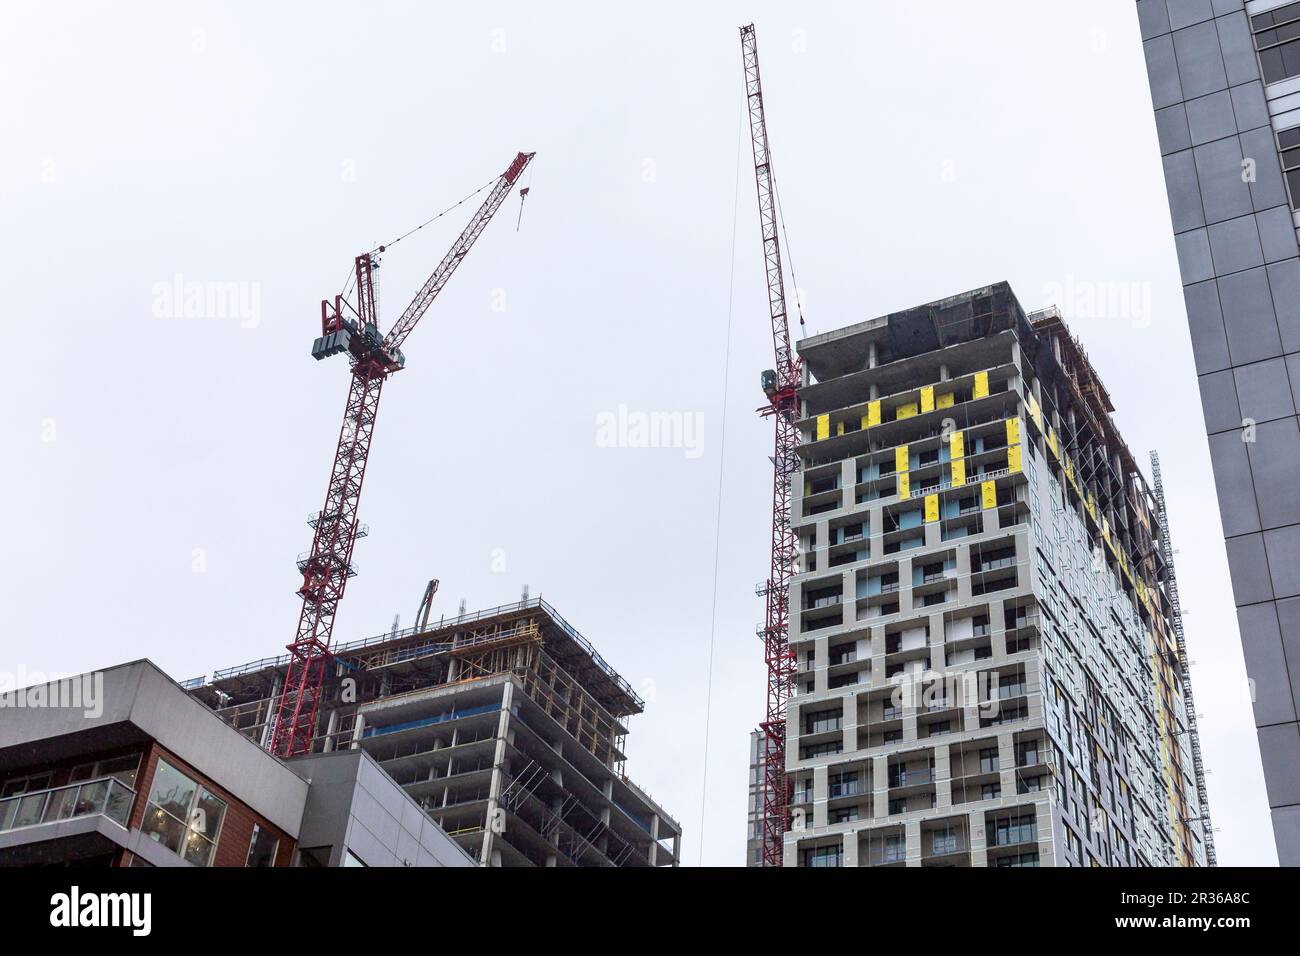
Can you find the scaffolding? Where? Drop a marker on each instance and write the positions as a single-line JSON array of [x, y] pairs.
[[1176, 616]]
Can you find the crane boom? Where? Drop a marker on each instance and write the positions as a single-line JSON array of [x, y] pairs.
[[780, 386], [326, 568]]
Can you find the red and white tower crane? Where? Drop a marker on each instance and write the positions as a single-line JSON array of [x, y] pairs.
[[780, 386], [353, 327]]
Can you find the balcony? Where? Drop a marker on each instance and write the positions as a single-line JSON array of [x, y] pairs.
[[107, 796]]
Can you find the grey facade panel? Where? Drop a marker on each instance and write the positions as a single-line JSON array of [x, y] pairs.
[[1184, 193], [1238, 50], [1279, 747], [1288, 618], [1249, 106], [1194, 255], [1235, 247], [1219, 401], [1282, 546], [1163, 70], [1248, 318], [1231, 476], [1261, 641], [1200, 61], [1284, 284], [1172, 130], [1224, 194], [1184, 13], [1249, 569], [1153, 17], [1286, 830], [1205, 322], [1211, 118], [1277, 234], [1263, 394]]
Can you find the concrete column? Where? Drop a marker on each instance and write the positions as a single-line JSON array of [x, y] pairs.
[[879, 787], [979, 855], [1007, 763], [851, 848], [273, 704], [329, 730], [912, 830], [653, 854], [821, 654], [495, 819], [821, 787], [942, 778], [938, 653], [358, 730]]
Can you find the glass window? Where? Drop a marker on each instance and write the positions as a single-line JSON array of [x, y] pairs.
[[262, 848], [183, 816], [1277, 38], [16, 785], [1288, 142]]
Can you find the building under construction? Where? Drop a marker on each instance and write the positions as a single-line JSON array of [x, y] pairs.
[[983, 619], [505, 725]]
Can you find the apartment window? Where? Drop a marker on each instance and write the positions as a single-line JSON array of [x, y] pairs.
[[845, 784], [183, 816], [822, 721], [262, 848], [943, 840], [895, 848], [1030, 784], [824, 856], [1020, 859], [844, 654], [1019, 829], [1277, 38], [120, 768], [898, 805], [1026, 753], [1288, 145], [893, 736], [989, 760], [990, 791], [28, 784], [821, 750], [844, 815]]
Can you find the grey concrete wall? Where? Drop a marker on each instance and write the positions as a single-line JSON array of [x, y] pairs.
[[354, 805], [1237, 252]]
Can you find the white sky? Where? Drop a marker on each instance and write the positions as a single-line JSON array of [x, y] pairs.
[[920, 153]]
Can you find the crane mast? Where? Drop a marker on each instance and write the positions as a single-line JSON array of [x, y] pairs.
[[780, 386], [326, 568]]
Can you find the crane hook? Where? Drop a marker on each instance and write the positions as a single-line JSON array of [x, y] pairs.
[[522, 193]]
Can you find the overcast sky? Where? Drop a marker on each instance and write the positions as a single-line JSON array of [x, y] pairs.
[[162, 460]]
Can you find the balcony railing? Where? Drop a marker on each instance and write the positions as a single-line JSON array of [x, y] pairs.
[[107, 795]]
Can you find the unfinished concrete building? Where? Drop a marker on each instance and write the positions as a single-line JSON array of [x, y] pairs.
[[987, 670], [505, 725]]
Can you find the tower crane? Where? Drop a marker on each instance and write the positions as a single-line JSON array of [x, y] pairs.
[[353, 328], [780, 386]]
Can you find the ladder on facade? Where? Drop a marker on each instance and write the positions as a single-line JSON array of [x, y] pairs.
[[1176, 614]]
